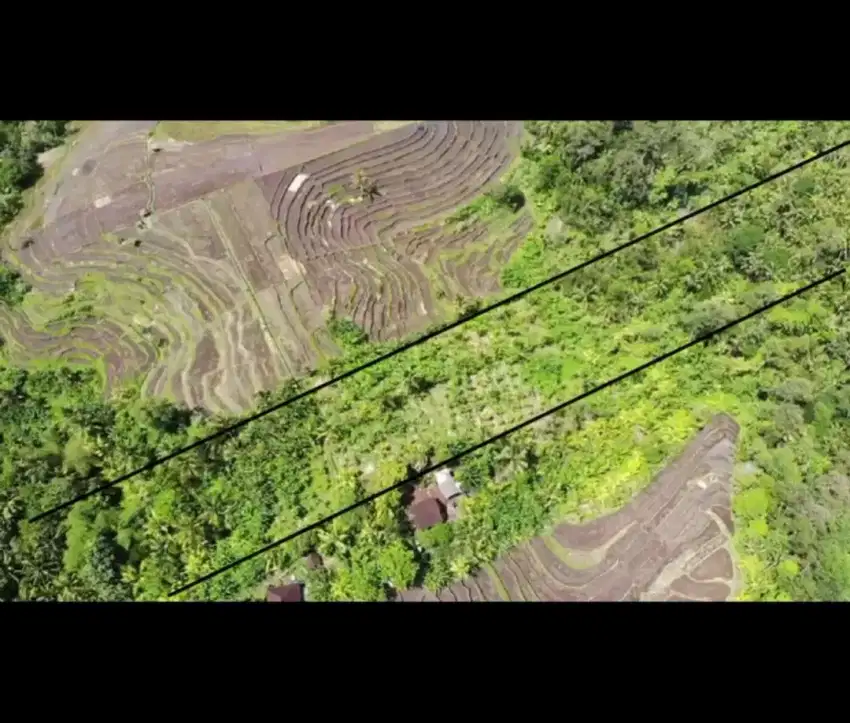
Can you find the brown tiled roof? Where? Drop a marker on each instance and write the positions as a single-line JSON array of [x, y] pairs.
[[428, 513], [293, 592]]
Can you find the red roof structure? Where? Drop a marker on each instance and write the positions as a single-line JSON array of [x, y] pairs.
[[427, 513], [294, 592]]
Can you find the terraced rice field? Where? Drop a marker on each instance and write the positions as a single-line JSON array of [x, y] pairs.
[[209, 268], [672, 542]]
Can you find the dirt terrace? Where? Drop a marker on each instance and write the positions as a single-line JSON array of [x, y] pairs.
[[224, 287], [354, 255], [672, 542], [114, 171]]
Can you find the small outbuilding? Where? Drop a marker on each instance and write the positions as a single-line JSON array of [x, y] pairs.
[[447, 484], [293, 592], [427, 513]]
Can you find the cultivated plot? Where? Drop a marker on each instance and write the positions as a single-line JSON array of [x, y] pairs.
[[210, 267], [672, 542]]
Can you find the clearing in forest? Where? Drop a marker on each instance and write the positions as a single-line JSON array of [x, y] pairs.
[[672, 542], [205, 258]]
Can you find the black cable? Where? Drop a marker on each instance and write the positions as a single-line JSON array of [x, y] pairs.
[[501, 435], [430, 335]]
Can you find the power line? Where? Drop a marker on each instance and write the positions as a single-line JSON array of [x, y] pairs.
[[501, 435], [156, 462]]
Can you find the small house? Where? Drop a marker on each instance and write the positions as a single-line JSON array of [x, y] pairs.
[[427, 513], [293, 592]]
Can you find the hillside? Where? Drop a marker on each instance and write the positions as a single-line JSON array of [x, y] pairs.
[[670, 543], [206, 269], [367, 270]]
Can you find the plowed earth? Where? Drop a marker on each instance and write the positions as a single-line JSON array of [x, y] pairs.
[[209, 268]]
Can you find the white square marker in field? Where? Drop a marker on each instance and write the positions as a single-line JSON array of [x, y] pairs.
[[297, 182], [102, 201]]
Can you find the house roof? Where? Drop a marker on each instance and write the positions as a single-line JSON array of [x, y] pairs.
[[447, 484], [428, 513], [294, 592], [443, 474]]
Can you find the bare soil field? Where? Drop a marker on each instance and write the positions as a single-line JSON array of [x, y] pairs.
[[672, 542], [218, 259]]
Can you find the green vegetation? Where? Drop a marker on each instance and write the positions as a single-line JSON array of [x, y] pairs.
[[783, 375], [13, 288], [504, 200], [20, 144], [508, 196]]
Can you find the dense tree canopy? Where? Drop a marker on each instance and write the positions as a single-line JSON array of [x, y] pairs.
[[783, 375]]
